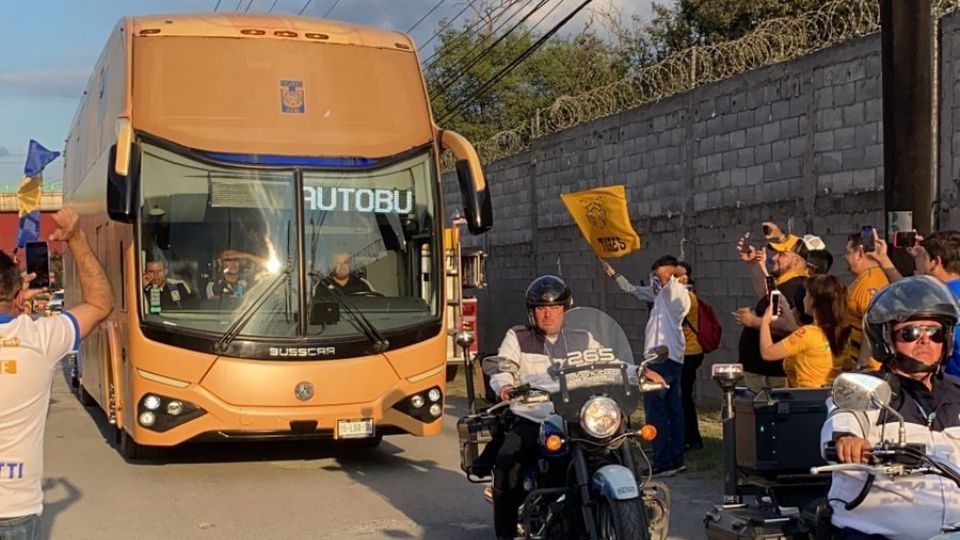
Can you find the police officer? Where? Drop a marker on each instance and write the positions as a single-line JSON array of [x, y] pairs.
[[909, 325], [524, 356]]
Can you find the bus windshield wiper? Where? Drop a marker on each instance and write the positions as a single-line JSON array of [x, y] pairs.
[[380, 343], [236, 327]]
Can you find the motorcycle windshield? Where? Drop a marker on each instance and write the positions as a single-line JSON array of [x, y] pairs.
[[591, 357]]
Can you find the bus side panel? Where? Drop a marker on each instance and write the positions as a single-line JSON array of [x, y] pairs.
[[84, 189]]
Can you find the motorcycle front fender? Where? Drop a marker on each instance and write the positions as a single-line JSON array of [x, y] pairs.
[[615, 482]]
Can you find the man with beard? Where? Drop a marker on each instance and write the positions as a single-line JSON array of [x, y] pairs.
[[789, 270]]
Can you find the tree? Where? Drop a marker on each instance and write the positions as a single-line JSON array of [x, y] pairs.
[[563, 66]]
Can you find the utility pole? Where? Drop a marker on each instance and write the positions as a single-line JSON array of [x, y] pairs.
[[906, 39]]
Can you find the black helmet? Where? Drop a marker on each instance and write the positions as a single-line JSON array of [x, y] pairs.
[[549, 291], [917, 297]]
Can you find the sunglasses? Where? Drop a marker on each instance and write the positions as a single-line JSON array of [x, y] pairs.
[[909, 334]]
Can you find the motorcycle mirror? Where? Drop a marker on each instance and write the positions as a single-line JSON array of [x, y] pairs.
[[656, 355], [499, 364], [859, 392]]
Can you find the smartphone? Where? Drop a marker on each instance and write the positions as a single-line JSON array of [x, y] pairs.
[[867, 234], [771, 284], [38, 262], [776, 299], [905, 239], [745, 248]]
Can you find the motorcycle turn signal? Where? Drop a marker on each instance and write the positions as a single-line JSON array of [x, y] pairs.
[[648, 432]]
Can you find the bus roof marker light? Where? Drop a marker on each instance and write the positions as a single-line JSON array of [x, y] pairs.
[[403, 46], [252, 32], [149, 31], [314, 35], [285, 33]]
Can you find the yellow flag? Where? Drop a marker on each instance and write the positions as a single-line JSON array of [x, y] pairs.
[[603, 219], [28, 194]]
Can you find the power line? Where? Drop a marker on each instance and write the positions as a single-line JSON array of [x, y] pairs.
[[467, 30], [427, 14], [237, 9], [445, 26], [458, 107], [304, 7], [483, 41], [443, 88], [273, 5], [250, 3], [526, 34], [216, 7], [331, 8]]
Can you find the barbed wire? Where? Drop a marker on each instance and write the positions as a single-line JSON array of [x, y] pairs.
[[773, 41]]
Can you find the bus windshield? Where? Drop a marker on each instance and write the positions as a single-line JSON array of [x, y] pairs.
[[218, 239]]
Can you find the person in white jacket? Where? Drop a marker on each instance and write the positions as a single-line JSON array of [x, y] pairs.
[[670, 303], [909, 326]]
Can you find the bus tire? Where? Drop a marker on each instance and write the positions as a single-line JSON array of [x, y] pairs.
[[131, 450], [451, 372]]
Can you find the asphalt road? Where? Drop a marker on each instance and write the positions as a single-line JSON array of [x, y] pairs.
[[407, 488]]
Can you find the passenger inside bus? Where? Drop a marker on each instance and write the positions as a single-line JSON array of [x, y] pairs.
[[162, 292], [344, 278], [237, 272]]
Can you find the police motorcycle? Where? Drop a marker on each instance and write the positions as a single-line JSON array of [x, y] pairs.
[[860, 392], [592, 478]]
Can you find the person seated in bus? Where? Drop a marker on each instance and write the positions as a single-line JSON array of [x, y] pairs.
[[343, 278], [233, 280], [162, 292]]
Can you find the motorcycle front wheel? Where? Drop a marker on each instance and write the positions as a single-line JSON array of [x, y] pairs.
[[622, 520]]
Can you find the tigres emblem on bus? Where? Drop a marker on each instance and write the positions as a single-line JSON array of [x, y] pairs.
[[291, 97], [596, 215]]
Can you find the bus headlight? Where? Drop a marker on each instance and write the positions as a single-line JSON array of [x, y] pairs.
[[416, 401], [600, 417], [147, 419], [434, 395], [425, 406], [436, 409], [151, 402], [174, 408], [161, 413]]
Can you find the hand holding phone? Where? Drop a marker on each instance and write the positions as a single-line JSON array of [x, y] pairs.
[[745, 246], [776, 303], [868, 237], [905, 239], [38, 263]]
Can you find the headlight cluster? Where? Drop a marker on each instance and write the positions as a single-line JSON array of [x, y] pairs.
[[162, 413], [424, 406], [600, 417]]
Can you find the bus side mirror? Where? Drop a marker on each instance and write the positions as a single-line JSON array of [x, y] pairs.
[[478, 206], [123, 169]]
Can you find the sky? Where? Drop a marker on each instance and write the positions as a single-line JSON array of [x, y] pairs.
[[49, 48]]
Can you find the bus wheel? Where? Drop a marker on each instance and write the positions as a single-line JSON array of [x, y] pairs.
[[131, 450], [451, 372]]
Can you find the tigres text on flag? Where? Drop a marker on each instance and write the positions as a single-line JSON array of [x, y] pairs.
[[603, 219]]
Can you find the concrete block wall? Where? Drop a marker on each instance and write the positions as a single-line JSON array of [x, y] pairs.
[[799, 143]]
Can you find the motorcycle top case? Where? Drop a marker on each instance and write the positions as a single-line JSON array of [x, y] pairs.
[[778, 430], [747, 522]]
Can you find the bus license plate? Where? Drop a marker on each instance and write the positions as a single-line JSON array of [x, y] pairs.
[[355, 429]]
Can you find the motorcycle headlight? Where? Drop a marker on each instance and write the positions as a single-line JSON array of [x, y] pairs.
[[600, 417]]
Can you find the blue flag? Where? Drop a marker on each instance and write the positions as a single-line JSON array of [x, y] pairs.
[[28, 228], [38, 157], [28, 194]]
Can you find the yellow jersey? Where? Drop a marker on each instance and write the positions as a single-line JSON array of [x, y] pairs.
[[811, 363], [693, 319], [859, 294]]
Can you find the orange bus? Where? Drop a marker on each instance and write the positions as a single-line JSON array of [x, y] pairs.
[[265, 194]]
